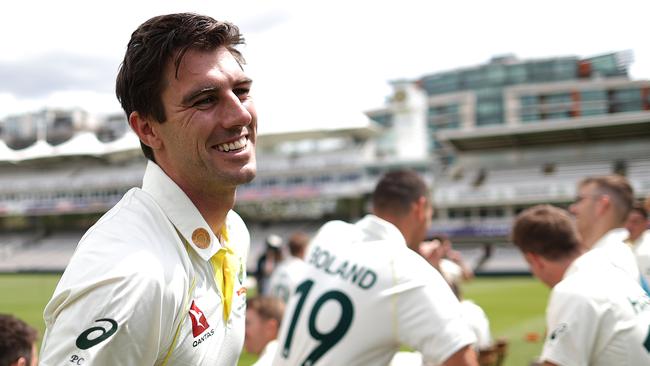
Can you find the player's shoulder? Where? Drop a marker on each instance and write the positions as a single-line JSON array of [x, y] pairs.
[[643, 247], [135, 214], [335, 232], [589, 287], [132, 234], [336, 226]]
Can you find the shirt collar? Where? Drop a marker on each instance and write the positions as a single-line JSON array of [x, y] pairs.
[[180, 211], [594, 258], [376, 228], [270, 348], [614, 236]]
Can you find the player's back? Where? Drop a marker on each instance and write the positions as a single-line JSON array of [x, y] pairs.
[[283, 280], [604, 312], [363, 294]]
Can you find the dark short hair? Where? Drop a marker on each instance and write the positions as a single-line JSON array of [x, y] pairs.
[[547, 231], [298, 241], [16, 339], [397, 190], [267, 307], [619, 190], [158, 41]]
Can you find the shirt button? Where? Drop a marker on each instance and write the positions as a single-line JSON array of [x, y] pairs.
[[201, 238]]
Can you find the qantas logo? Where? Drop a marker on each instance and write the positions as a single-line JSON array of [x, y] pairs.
[[199, 321]]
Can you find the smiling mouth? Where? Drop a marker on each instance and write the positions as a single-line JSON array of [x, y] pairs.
[[233, 146]]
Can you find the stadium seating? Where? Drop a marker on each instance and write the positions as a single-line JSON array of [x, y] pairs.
[[33, 253]]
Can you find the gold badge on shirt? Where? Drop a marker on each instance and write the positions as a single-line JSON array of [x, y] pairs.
[[201, 238]]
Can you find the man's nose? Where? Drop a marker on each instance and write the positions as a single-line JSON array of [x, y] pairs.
[[234, 112]]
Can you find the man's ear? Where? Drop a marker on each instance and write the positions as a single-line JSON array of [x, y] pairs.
[[146, 129], [603, 203], [272, 328], [420, 208], [19, 362]]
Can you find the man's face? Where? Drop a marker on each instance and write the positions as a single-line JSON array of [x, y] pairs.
[[585, 208], [256, 338], [208, 140], [636, 224]]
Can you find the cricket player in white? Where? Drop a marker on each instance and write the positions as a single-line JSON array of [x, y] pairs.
[[285, 276], [263, 318], [600, 209], [639, 239], [597, 315], [159, 279], [365, 293]]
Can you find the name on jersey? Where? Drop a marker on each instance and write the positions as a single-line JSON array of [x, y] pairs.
[[357, 274]]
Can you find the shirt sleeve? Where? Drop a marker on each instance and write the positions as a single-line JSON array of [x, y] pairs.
[[478, 322], [113, 319], [428, 314], [572, 326]]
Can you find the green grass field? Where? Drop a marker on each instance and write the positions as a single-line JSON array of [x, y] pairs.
[[514, 305]]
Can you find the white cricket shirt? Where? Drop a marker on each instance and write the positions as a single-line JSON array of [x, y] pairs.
[[598, 316], [363, 295], [266, 357], [285, 277], [451, 271], [478, 322], [612, 246], [135, 294]]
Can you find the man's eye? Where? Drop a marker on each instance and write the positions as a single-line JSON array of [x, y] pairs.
[[242, 93], [204, 101]]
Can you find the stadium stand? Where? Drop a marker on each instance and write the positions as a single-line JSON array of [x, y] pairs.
[[40, 254], [488, 147]]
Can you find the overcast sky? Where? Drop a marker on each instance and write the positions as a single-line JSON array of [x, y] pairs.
[[316, 64]]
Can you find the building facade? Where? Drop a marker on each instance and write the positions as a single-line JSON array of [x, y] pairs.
[[512, 133]]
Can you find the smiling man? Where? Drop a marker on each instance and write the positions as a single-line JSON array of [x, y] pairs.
[[159, 279]]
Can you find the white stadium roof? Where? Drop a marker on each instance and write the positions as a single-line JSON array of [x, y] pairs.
[[84, 143]]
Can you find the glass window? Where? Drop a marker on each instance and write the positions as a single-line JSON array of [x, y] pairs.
[[349, 177], [557, 115], [530, 117], [558, 98], [457, 213], [322, 179], [528, 100], [474, 79], [488, 120], [593, 111], [629, 106], [517, 74], [565, 69], [295, 180], [625, 100], [589, 95], [606, 65], [495, 74], [269, 182], [623, 95]]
